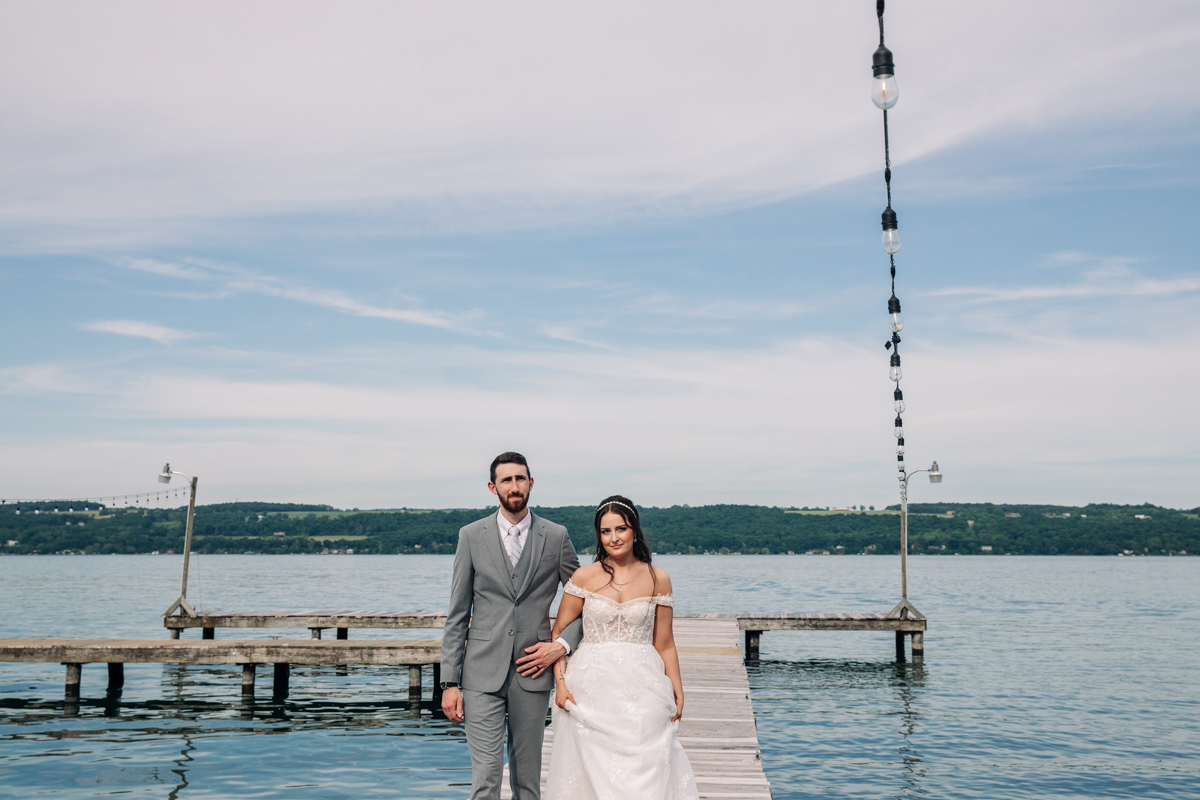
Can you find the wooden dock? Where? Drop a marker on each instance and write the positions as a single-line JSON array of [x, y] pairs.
[[911, 627], [282, 653], [717, 731]]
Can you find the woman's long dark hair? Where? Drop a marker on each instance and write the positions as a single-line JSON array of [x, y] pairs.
[[624, 508]]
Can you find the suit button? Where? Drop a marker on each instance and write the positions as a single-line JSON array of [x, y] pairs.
[[516, 604], [514, 576], [510, 633]]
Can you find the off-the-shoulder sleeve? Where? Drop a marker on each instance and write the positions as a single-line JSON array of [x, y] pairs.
[[664, 600], [570, 588]]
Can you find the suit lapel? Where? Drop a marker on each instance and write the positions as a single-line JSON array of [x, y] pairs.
[[535, 544], [491, 542]]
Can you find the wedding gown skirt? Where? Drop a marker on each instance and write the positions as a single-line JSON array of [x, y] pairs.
[[618, 741]]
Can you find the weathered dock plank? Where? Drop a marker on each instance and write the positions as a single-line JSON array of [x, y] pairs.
[[717, 731], [222, 651], [283, 654]]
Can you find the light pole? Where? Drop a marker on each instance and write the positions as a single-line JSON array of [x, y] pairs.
[[905, 609], [185, 608]]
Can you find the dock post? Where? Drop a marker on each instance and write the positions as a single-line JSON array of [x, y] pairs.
[[280, 689], [437, 682], [918, 645], [209, 633], [116, 676], [315, 632], [174, 633], [414, 682], [899, 645], [343, 633], [74, 676], [249, 673], [752, 645]]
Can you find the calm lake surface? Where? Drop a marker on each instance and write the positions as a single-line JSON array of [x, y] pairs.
[[1050, 677]]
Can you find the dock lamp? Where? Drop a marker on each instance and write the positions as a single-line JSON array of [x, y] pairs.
[[904, 609], [184, 607]]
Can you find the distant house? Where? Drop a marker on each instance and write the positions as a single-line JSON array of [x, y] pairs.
[[987, 548], [1011, 514], [279, 533], [1141, 516]]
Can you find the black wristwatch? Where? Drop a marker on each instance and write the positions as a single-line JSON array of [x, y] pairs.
[[448, 685]]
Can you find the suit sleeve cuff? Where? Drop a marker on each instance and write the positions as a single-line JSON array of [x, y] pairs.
[[563, 642]]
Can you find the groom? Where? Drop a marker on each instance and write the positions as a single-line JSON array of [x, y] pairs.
[[496, 647]]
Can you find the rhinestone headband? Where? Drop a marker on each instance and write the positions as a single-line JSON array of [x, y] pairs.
[[618, 503]]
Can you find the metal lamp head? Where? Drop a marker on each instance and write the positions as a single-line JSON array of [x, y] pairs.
[[935, 475], [165, 475]]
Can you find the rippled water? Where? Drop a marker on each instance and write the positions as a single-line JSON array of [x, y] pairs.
[[1043, 677]]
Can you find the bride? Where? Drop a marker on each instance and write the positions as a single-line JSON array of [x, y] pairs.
[[620, 697]]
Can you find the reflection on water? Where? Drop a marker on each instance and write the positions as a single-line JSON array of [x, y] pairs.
[[335, 735], [807, 708], [181, 770]]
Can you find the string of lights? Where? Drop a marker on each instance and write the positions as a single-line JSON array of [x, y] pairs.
[[885, 93], [92, 503]]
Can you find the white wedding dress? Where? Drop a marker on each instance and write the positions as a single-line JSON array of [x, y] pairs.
[[618, 741]]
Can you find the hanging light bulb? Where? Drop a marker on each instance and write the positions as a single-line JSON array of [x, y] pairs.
[[895, 374], [884, 91], [898, 396], [895, 321], [891, 232], [899, 431]]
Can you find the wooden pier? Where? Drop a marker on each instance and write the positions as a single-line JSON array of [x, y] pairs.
[[912, 627], [717, 731], [282, 653]]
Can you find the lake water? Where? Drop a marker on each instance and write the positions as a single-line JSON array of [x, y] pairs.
[[1050, 677]]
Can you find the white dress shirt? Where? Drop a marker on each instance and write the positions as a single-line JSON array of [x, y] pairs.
[[523, 527]]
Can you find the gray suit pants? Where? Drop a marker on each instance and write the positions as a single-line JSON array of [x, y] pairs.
[[485, 717]]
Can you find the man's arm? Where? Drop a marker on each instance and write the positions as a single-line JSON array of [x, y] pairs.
[[567, 564], [454, 636], [542, 655]]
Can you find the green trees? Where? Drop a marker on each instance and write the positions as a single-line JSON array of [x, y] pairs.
[[942, 529]]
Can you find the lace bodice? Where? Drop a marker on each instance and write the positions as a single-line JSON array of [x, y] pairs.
[[606, 620]]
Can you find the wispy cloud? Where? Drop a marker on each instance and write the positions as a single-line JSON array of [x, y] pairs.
[[563, 334], [98, 141], [233, 279], [144, 330], [1109, 276]]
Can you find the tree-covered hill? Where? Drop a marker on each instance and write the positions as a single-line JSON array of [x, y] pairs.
[[964, 528]]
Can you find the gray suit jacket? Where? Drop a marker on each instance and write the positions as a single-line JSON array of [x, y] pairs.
[[492, 619]]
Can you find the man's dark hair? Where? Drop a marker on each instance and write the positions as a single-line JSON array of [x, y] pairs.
[[509, 458]]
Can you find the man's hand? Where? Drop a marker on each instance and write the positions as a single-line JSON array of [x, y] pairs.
[[452, 705], [541, 656]]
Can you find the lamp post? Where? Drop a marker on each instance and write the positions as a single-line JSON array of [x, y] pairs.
[[185, 608], [904, 609]]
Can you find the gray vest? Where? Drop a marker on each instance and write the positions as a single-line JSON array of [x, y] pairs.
[[517, 573]]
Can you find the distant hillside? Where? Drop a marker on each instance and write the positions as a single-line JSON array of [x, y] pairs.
[[934, 528]]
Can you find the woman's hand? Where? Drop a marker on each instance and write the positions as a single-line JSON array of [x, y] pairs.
[[678, 708], [561, 693]]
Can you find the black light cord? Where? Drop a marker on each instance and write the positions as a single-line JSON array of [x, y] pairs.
[[102, 500]]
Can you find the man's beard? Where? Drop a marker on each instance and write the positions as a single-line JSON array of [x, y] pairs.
[[515, 505]]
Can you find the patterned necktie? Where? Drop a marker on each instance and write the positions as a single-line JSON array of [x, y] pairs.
[[514, 545]]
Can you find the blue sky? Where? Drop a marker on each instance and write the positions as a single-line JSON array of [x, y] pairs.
[[347, 255]]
